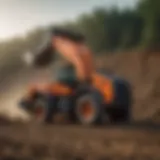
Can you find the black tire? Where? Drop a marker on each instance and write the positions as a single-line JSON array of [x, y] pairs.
[[121, 111], [45, 103], [39, 114], [50, 108], [118, 116], [127, 107], [95, 100]]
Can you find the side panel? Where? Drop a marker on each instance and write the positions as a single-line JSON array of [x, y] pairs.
[[105, 86], [59, 89]]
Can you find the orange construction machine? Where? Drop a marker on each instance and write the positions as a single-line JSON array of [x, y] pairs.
[[86, 95]]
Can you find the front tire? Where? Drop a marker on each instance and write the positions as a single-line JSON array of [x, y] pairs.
[[89, 109], [44, 109]]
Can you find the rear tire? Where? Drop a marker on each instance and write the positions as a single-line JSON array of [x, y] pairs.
[[122, 109]]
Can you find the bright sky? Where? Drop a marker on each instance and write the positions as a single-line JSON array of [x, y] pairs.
[[19, 16]]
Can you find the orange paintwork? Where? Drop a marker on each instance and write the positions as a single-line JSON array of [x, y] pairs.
[[60, 89], [100, 82], [87, 110], [77, 54], [105, 86], [53, 88]]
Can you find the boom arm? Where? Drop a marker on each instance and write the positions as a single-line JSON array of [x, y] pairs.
[[77, 54], [71, 48]]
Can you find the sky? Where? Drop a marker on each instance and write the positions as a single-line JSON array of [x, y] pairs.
[[19, 16]]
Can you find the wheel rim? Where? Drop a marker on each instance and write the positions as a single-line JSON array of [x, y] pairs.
[[39, 111], [87, 111]]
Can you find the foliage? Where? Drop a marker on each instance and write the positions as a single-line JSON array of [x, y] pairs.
[[105, 30]]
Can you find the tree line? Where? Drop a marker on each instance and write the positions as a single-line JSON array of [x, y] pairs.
[[114, 29], [105, 30]]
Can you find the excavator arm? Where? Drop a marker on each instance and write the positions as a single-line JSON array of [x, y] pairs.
[[71, 47]]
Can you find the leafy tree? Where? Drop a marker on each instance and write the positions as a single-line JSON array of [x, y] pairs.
[[150, 11]]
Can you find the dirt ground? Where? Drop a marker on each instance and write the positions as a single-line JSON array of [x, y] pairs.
[[32, 142]]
